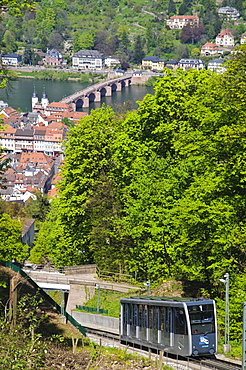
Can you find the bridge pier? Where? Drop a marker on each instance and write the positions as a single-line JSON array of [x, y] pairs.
[[119, 86], [108, 91], [86, 102], [97, 96]]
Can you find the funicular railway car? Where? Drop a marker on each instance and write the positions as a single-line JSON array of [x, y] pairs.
[[183, 326]]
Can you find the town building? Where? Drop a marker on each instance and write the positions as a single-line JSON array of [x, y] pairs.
[[172, 64], [179, 21], [53, 58], [209, 49], [217, 65], [47, 140], [225, 38], [27, 173], [243, 38], [3, 104], [229, 13], [186, 64], [11, 59], [88, 59], [153, 63], [112, 61]]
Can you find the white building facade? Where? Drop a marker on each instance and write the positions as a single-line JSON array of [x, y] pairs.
[[88, 59]]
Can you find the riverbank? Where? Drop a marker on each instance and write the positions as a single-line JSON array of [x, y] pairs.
[[54, 75]]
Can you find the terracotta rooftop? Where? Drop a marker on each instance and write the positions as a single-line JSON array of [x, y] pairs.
[[184, 17], [225, 32]]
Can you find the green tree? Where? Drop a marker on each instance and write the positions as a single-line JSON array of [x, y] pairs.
[[10, 235], [138, 52], [9, 42], [28, 55], [83, 41], [171, 7]]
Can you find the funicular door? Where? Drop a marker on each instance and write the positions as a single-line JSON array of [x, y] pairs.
[[133, 320], [166, 326], [153, 324], [180, 344]]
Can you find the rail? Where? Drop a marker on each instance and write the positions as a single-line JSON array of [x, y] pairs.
[[115, 276], [46, 296]]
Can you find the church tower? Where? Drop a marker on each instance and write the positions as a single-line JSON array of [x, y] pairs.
[[34, 98], [45, 100]]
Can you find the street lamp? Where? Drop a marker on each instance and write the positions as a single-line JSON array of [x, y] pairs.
[[227, 321], [98, 298], [148, 285]]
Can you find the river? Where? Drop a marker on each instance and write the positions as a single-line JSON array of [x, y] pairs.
[[20, 93]]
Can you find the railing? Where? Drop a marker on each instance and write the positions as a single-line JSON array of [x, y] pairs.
[[46, 297], [91, 309], [115, 276], [80, 269]]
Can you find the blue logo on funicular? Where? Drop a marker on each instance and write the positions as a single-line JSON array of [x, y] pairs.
[[203, 341]]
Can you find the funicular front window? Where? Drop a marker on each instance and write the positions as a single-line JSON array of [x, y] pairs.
[[202, 318]]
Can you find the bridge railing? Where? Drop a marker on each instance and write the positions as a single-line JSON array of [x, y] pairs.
[[46, 296]]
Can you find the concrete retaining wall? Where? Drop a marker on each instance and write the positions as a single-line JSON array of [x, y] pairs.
[[85, 318]]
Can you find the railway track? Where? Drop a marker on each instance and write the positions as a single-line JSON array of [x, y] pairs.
[[110, 339]]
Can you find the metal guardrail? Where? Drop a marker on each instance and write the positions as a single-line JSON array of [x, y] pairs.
[[46, 296], [115, 276], [91, 309]]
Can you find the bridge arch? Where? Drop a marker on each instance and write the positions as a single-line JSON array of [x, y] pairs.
[[103, 92], [79, 104]]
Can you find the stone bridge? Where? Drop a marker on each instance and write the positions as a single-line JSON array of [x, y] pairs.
[[95, 92]]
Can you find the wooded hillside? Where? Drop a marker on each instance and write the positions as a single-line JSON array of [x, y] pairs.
[[129, 28], [161, 191]]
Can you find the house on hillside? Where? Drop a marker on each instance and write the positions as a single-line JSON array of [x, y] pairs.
[[217, 65], [88, 59], [179, 21], [154, 63], [53, 58], [186, 64], [209, 49], [172, 64], [225, 38], [112, 61], [229, 13], [11, 59], [243, 38]]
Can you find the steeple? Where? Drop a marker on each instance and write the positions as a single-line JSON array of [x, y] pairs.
[[34, 98], [45, 100]]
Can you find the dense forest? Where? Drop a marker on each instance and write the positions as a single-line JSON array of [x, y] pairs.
[[130, 28], [159, 192]]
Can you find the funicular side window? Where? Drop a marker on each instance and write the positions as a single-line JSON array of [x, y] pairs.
[[140, 315], [150, 317], [125, 313], [180, 326], [135, 315], [155, 317], [166, 319], [145, 318]]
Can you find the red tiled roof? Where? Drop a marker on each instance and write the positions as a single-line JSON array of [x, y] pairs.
[[190, 17], [225, 32]]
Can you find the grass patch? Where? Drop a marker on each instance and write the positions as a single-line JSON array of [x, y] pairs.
[[235, 352], [109, 301]]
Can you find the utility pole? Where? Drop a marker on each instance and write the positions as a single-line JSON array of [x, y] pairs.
[[244, 338], [227, 346], [98, 298], [148, 286]]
